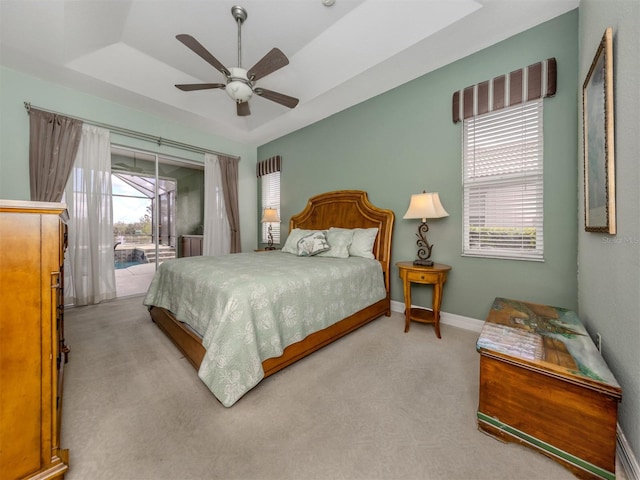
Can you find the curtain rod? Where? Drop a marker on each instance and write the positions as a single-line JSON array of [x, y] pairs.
[[133, 134]]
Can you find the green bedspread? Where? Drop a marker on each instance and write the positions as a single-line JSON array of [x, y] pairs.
[[248, 307]]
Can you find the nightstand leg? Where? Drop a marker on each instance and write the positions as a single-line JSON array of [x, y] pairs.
[[407, 306], [437, 302]]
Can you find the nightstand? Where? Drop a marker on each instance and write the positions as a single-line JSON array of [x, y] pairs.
[[435, 275]]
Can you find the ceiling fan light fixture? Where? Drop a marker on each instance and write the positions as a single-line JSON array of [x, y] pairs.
[[239, 87], [239, 91]]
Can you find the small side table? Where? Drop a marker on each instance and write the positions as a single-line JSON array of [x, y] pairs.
[[435, 275]]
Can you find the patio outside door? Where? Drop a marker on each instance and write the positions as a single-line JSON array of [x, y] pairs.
[[156, 200]]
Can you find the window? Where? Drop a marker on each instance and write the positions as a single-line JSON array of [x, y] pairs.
[[270, 187], [268, 171], [503, 183]]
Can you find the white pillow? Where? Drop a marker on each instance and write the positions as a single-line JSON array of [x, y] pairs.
[[362, 244], [339, 239], [313, 244], [291, 245]]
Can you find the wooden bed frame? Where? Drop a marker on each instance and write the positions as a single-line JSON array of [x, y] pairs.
[[345, 209]]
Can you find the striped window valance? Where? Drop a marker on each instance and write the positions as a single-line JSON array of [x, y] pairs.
[[523, 85], [270, 165]]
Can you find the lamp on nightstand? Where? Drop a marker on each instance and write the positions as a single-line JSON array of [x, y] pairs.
[[424, 205], [270, 215]]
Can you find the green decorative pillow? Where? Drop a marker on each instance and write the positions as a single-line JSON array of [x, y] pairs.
[[362, 244], [291, 245], [313, 244], [339, 239]]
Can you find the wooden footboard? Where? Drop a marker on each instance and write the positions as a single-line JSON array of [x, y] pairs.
[[319, 339], [187, 341], [191, 346]]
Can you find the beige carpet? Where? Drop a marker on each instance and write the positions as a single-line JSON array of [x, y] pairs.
[[378, 404]]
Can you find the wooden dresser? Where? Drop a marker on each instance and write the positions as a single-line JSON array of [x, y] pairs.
[[192, 245], [544, 384], [32, 350]]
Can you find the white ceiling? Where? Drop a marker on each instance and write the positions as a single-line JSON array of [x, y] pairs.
[[126, 50]]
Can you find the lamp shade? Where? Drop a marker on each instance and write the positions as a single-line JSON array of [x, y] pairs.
[[270, 215], [425, 205]]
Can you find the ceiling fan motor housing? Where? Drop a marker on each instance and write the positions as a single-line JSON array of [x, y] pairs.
[[239, 87]]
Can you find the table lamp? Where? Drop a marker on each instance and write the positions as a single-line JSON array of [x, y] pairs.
[[270, 215], [424, 205]]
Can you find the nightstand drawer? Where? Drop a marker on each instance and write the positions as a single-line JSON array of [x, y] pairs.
[[420, 277]]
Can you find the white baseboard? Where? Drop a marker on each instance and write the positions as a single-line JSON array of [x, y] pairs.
[[452, 319], [626, 457], [624, 453]]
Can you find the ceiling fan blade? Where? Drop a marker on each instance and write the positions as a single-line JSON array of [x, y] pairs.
[[188, 87], [198, 49], [243, 109], [280, 98], [271, 62]]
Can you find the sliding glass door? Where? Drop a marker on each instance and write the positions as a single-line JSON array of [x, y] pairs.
[[158, 204]]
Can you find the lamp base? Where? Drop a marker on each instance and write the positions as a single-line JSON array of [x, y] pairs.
[[423, 263], [269, 247]]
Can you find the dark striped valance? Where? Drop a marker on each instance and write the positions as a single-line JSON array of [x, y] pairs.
[[270, 165], [530, 83]]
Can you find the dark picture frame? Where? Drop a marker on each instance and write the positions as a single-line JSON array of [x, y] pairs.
[[598, 126]]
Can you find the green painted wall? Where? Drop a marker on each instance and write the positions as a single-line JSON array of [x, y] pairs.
[[16, 88], [190, 205], [609, 273], [404, 142]]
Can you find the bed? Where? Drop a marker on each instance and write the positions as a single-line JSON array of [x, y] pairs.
[[181, 322]]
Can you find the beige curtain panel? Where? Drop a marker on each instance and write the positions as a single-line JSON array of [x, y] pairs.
[[229, 173], [53, 145]]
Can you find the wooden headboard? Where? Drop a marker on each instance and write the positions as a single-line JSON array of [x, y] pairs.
[[350, 209]]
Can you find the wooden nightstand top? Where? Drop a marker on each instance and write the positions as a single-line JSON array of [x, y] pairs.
[[439, 267]]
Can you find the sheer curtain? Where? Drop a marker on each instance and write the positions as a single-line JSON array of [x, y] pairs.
[[217, 233], [90, 274]]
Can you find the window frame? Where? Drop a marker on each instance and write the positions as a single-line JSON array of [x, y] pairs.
[[270, 198], [502, 166]]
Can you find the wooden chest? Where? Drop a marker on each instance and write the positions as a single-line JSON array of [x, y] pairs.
[[544, 384]]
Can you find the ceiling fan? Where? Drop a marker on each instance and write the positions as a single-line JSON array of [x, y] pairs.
[[240, 84]]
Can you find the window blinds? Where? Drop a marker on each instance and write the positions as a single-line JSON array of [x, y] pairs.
[[503, 183]]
